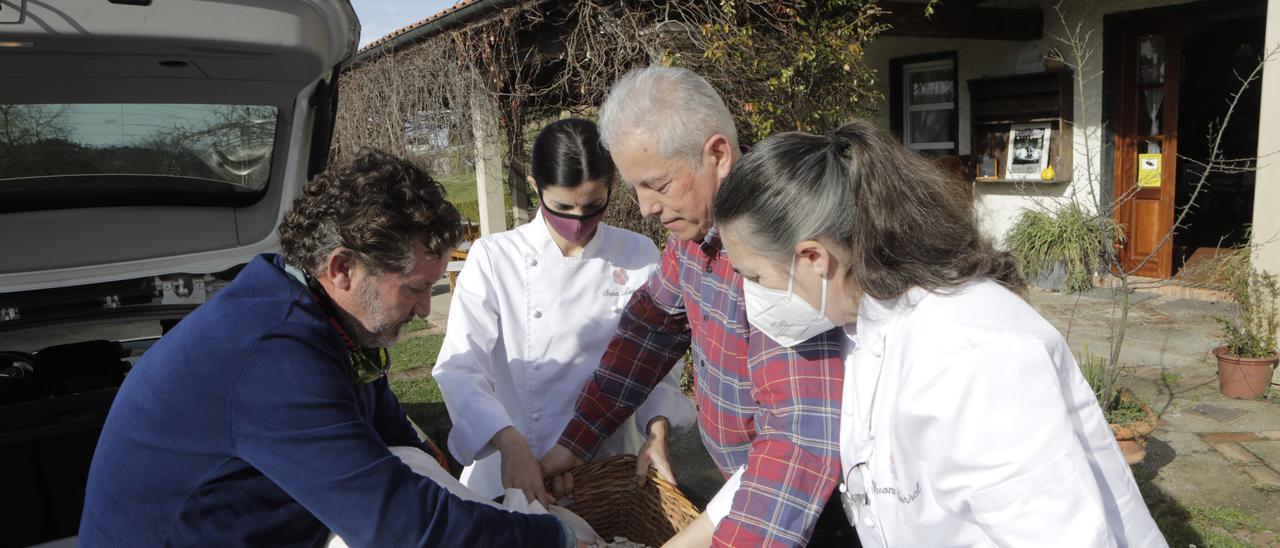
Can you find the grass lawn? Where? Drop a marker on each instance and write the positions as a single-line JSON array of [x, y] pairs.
[[413, 353], [1209, 527], [460, 188], [411, 362]]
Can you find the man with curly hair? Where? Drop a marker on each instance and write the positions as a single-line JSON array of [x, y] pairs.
[[265, 418]]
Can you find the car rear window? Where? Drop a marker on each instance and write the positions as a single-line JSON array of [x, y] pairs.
[[133, 150]]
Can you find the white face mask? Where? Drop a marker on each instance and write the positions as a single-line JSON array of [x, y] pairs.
[[784, 316]]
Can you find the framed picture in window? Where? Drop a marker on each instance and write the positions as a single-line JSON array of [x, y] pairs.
[[988, 167], [1028, 150]]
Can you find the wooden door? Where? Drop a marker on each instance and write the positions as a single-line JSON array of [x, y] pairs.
[[1146, 145]]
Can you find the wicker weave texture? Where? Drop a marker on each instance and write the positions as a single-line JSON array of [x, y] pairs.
[[606, 495]]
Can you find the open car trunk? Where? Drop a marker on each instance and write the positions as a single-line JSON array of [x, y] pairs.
[[147, 152]]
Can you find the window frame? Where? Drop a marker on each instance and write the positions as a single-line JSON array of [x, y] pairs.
[[40, 192], [900, 70]]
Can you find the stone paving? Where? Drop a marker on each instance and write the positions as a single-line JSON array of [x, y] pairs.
[[1209, 451]]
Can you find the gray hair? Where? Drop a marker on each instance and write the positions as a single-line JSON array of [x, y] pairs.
[[905, 222], [691, 111]]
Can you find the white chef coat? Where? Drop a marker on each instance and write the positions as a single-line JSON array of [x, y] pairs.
[[527, 328], [967, 422]]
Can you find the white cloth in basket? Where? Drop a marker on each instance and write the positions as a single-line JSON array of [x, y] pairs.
[[513, 500]]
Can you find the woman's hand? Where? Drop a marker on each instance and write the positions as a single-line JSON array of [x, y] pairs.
[[697, 535], [654, 453], [519, 469]]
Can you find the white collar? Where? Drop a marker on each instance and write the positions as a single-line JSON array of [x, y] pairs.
[[876, 317]]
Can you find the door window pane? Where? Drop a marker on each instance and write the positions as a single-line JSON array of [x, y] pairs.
[[1150, 110], [1151, 59]]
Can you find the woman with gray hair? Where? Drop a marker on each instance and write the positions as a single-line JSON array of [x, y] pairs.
[[965, 421]]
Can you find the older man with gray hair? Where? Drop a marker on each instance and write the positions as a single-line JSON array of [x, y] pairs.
[[772, 409]]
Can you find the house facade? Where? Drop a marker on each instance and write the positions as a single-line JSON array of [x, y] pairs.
[[1128, 130]]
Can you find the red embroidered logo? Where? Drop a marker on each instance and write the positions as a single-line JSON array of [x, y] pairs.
[[620, 277]]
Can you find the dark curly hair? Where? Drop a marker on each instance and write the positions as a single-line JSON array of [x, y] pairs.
[[377, 205]]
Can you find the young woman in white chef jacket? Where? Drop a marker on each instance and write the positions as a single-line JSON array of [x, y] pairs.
[[965, 419], [532, 312]]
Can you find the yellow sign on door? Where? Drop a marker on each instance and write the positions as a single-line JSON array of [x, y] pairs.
[[1149, 170]]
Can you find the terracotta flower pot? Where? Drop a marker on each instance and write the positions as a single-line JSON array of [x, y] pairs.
[[1133, 436], [1243, 378]]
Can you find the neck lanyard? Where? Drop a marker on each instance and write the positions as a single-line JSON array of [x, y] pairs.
[[367, 364]]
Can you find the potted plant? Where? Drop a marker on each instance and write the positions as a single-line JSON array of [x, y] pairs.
[[1062, 249], [1247, 357], [1132, 420]]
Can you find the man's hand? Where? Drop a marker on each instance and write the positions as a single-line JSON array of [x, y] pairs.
[[519, 469], [555, 464], [654, 453]]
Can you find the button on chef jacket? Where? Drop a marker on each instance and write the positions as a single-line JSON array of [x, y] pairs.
[[527, 327], [966, 421]]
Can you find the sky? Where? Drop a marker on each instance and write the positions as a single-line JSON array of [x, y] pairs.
[[379, 18]]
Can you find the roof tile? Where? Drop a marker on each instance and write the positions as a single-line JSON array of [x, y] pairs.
[[402, 30]]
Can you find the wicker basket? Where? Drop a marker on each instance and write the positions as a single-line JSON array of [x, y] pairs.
[[606, 495]]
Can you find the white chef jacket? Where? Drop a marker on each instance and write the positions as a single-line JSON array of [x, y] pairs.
[[967, 422], [527, 328]]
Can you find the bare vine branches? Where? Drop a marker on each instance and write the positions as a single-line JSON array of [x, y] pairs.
[[780, 65]]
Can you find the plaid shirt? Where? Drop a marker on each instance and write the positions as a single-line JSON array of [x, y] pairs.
[[774, 409]]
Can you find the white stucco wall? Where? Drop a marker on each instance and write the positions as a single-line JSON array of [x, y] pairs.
[[974, 59], [999, 204], [1266, 197]]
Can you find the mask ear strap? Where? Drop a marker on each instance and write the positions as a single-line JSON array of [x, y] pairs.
[[791, 278], [823, 309]]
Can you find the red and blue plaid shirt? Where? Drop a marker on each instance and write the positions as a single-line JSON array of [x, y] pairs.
[[774, 409]]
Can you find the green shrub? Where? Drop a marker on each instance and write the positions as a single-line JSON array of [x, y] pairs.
[[1080, 241], [1116, 408]]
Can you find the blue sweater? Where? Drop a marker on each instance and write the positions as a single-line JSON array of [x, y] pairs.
[[242, 426]]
